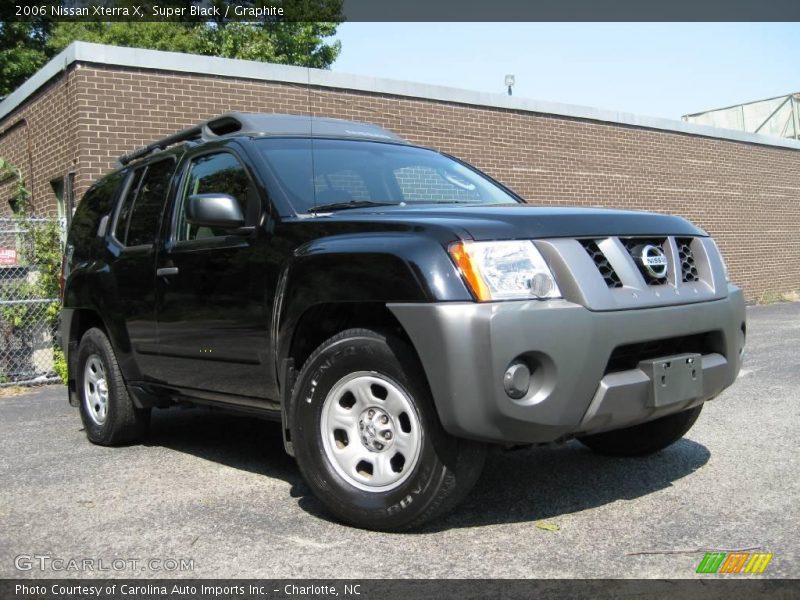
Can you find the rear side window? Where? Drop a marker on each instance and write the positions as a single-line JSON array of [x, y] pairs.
[[97, 203], [140, 213], [150, 200], [123, 218]]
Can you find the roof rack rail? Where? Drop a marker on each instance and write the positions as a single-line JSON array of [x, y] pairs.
[[190, 133], [259, 124]]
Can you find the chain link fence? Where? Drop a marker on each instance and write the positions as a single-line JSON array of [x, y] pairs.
[[29, 351]]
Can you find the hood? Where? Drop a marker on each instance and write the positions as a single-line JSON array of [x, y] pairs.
[[521, 221]]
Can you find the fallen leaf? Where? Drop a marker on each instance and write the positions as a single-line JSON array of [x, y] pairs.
[[547, 526]]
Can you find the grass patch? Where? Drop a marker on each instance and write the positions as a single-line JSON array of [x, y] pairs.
[[773, 297], [7, 391]]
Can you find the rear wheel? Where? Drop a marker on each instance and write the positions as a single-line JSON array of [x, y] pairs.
[[646, 438], [107, 410], [367, 437]]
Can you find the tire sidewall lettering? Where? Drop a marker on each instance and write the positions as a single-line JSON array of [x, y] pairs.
[[364, 355]]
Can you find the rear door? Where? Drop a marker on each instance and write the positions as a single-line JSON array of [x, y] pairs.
[[132, 242], [212, 313]]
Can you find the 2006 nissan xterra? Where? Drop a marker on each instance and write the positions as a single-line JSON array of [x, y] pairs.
[[394, 308]]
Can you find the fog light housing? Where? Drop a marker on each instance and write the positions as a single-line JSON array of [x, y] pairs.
[[517, 380]]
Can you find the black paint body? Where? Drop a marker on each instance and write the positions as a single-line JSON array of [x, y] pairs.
[[223, 327]]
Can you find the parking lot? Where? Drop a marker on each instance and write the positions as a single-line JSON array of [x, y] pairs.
[[219, 490]]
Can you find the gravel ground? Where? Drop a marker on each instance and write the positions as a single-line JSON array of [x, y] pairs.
[[219, 490]]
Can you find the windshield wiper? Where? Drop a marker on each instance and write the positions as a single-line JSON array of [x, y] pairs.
[[457, 202], [351, 204]]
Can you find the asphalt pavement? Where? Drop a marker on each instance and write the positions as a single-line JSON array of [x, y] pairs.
[[218, 493]]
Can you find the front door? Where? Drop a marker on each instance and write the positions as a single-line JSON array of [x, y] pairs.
[[212, 316]]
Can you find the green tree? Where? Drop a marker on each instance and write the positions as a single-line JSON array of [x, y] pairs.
[[303, 38], [23, 50], [160, 35], [300, 44]]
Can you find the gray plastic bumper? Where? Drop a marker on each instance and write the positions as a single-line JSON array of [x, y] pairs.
[[466, 348]]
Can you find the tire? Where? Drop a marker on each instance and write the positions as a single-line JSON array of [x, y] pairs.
[[362, 477], [107, 410], [646, 438]]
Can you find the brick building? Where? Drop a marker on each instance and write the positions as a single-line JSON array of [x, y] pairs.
[[92, 103]]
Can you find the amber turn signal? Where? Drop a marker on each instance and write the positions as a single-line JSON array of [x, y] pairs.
[[459, 252]]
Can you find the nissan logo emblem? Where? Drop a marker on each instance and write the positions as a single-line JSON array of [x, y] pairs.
[[654, 261]]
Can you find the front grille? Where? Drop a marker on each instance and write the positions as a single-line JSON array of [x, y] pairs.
[[685, 255], [606, 270], [631, 244], [616, 263], [627, 357]]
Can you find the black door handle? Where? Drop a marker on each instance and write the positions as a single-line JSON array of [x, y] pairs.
[[166, 271]]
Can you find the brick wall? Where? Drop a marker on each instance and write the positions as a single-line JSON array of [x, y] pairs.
[[40, 139], [747, 196]]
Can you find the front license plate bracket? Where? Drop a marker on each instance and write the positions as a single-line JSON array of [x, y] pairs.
[[674, 378]]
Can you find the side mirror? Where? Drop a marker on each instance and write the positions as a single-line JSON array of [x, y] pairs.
[[214, 210]]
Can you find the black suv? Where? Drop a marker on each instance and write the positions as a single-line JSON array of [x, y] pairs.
[[394, 308]]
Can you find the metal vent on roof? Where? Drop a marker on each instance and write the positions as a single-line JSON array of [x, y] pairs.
[[224, 125]]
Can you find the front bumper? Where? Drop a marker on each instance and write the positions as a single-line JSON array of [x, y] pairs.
[[465, 349]]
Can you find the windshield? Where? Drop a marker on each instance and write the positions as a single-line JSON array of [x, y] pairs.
[[345, 173]]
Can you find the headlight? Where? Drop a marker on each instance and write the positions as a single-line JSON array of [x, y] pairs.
[[722, 259], [504, 270]]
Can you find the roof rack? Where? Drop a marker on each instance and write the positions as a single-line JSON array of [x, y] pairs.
[[267, 124], [185, 135]]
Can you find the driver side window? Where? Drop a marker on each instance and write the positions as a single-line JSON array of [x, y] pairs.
[[220, 173]]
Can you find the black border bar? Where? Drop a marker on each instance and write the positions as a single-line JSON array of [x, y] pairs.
[[409, 10], [701, 587]]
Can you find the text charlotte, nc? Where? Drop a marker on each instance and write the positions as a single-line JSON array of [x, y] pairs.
[[181, 590]]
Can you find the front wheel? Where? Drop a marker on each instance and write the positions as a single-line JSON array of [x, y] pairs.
[[367, 437], [646, 438]]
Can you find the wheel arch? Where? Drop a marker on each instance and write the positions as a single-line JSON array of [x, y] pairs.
[[322, 321], [345, 281], [319, 290], [75, 323]]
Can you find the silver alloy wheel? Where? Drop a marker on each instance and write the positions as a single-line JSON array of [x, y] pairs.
[[95, 389], [371, 431]]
